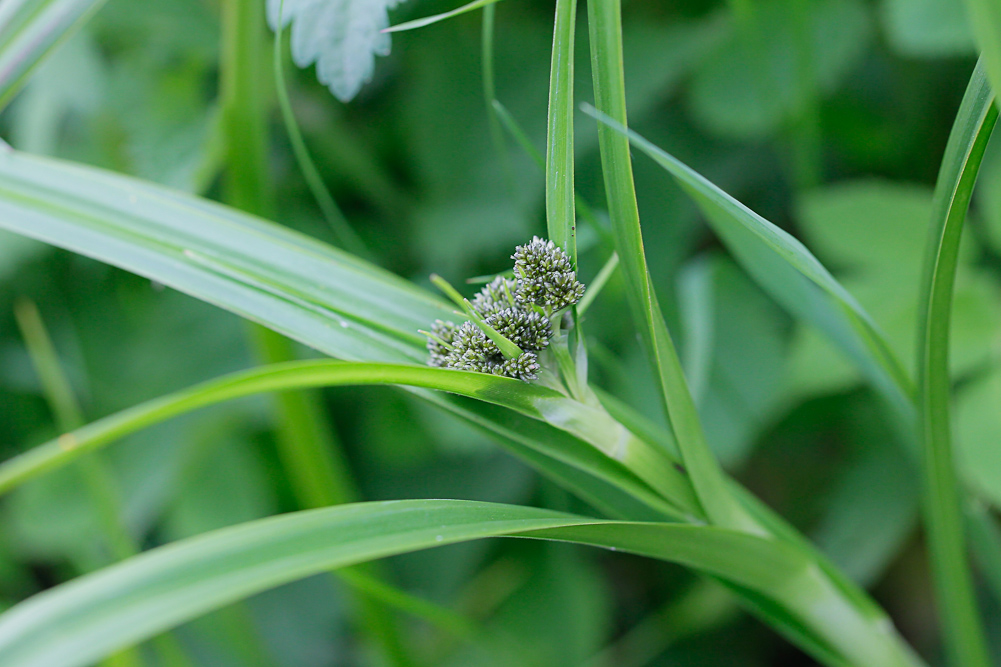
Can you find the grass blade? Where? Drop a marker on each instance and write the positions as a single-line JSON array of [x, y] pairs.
[[79, 622], [30, 30], [605, 25], [790, 273], [560, 215], [964, 635], [530, 400]]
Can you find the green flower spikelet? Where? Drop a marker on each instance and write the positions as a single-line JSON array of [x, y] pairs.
[[521, 309]]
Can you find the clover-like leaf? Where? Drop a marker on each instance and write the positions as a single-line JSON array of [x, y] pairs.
[[341, 36]]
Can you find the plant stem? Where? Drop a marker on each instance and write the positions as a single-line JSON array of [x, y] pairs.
[[346, 236], [560, 214], [963, 633], [310, 454], [605, 26], [490, 94], [97, 478]]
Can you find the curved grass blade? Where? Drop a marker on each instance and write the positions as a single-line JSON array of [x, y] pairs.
[[560, 215], [790, 273], [605, 29], [530, 400], [78, 622], [31, 29], [964, 635], [428, 20], [323, 297]]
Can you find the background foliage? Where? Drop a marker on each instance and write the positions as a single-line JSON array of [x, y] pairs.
[[828, 118]]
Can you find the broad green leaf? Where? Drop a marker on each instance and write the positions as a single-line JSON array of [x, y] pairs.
[[30, 29], [84, 620], [787, 271], [978, 426], [874, 233], [964, 635], [985, 21], [341, 36], [927, 28], [873, 508], [744, 367], [777, 57]]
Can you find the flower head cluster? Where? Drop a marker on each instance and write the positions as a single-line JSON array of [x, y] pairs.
[[545, 276], [519, 309]]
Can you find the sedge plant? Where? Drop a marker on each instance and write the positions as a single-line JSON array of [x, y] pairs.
[[511, 360]]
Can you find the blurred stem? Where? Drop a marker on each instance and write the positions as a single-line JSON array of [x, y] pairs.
[[517, 133], [98, 479], [490, 94], [806, 131], [347, 237], [310, 454], [703, 607]]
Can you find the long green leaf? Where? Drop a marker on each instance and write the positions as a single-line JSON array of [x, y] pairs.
[[605, 25], [83, 620], [964, 635], [530, 400], [560, 215], [29, 30], [789, 272]]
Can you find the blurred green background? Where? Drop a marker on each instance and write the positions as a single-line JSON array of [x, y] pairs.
[[828, 117]]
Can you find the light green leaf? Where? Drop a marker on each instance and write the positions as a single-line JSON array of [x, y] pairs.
[[30, 29], [962, 627], [604, 24], [753, 82], [341, 36], [985, 21], [928, 28], [787, 271], [978, 427], [622, 450], [84, 620], [883, 273]]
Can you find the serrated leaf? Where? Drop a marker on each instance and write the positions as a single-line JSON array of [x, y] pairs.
[[341, 36]]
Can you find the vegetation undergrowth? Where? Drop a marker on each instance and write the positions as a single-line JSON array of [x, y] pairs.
[[634, 383]]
